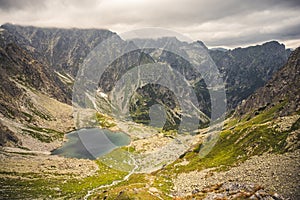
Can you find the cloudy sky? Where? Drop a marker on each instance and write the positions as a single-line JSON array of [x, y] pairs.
[[226, 23]]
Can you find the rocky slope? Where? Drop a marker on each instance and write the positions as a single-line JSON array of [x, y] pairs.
[[24, 81], [282, 88], [247, 69], [267, 123], [275, 173], [37, 69]]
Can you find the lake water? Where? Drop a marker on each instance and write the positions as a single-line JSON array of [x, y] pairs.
[[91, 143]]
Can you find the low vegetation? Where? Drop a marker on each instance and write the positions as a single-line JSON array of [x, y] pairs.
[[105, 121], [43, 134], [40, 185]]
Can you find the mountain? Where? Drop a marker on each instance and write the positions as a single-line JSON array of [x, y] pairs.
[[282, 88], [62, 49], [246, 69], [255, 155], [156, 91], [219, 49], [24, 81], [58, 53], [47, 61], [37, 70]]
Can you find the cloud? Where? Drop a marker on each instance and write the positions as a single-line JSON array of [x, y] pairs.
[[11, 5], [216, 22]]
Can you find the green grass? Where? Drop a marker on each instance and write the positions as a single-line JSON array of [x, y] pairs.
[[38, 113], [43, 134], [239, 140], [35, 185], [118, 159], [104, 121], [136, 187], [163, 183], [105, 175]]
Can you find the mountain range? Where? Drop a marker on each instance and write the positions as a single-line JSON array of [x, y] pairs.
[[49, 58], [39, 68]]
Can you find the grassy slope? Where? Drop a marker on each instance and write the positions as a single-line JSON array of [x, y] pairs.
[[239, 140]]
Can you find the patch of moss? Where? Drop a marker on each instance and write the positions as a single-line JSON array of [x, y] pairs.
[[105, 121], [163, 183]]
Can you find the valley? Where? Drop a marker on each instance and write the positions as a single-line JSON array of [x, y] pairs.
[[254, 153]]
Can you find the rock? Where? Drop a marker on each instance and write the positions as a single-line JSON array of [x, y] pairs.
[[153, 190], [57, 189]]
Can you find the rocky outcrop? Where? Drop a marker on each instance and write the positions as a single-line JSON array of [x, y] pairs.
[[18, 64]]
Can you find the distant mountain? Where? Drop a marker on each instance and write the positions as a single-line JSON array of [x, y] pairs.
[[148, 94], [243, 69], [62, 49], [246, 69], [219, 49]]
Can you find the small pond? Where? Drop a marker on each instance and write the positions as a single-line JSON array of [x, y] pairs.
[[91, 143]]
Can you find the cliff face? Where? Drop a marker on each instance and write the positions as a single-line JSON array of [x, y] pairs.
[[247, 69], [18, 64], [62, 49], [282, 88]]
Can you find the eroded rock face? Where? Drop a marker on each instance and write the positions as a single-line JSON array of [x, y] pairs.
[[246, 69], [283, 89]]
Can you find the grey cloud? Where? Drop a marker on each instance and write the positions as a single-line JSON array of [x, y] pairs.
[[8, 5], [216, 22]]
